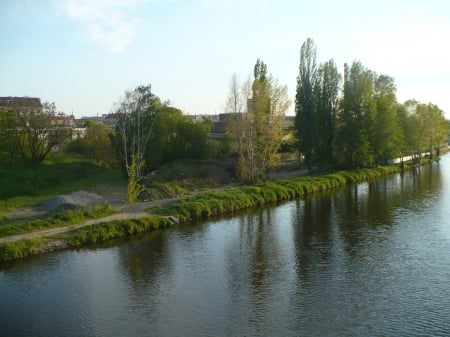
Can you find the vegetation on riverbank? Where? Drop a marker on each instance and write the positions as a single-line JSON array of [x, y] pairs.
[[214, 203], [202, 205], [21, 249], [23, 185], [119, 228]]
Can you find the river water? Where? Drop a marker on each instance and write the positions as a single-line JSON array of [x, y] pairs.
[[367, 260]]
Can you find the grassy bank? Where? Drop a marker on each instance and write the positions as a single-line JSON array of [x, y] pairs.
[[214, 203], [25, 185], [84, 236], [199, 206]]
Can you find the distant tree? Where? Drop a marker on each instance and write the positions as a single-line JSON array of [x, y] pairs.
[[9, 135], [177, 136], [433, 126], [34, 131], [96, 144], [304, 101]]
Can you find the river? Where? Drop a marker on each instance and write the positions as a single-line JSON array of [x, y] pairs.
[[366, 260]]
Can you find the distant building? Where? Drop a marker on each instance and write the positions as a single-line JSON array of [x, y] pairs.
[[18, 103]]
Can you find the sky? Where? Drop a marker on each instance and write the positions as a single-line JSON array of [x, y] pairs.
[[85, 54]]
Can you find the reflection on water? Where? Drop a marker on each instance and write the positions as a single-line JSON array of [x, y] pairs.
[[368, 260]]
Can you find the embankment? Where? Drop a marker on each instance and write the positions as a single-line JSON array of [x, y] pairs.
[[192, 207]]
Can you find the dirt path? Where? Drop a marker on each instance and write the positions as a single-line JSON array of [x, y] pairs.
[[127, 212], [59, 230]]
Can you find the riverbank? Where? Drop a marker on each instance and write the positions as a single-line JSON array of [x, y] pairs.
[[204, 204]]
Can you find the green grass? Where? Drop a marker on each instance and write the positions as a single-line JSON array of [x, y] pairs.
[[213, 203], [63, 218], [20, 249], [87, 235], [25, 185], [119, 228]]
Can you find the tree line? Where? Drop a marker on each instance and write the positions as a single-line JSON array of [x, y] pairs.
[[357, 121], [346, 121], [349, 121]]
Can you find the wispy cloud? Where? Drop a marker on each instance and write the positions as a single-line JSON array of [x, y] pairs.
[[109, 23]]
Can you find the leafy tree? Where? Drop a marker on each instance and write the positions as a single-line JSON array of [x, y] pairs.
[[256, 131], [96, 144], [304, 101], [356, 118], [9, 135], [387, 137], [136, 114], [176, 137], [326, 95], [33, 131], [433, 126]]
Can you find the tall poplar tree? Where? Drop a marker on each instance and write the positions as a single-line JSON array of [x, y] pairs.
[[326, 95], [304, 101], [356, 118]]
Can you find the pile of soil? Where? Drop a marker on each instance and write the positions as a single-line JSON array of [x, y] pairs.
[[72, 201]]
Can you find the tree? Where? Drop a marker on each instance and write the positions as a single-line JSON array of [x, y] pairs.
[[326, 96], [136, 114], [33, 131], [9, 135], [304, 101], [256, 131], [96, 144], [386, 133], [433, 126], [355, 119]]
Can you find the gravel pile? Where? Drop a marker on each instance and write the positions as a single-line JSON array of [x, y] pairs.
[[72, 201]]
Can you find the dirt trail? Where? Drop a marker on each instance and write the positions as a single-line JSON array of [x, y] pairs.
[[127, 212]]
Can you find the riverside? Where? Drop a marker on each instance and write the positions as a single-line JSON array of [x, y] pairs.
[[202, 205], [369, 259]]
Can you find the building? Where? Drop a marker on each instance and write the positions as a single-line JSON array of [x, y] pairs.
[[19, 103]]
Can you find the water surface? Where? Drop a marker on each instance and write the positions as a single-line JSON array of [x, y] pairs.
[[367, 260]]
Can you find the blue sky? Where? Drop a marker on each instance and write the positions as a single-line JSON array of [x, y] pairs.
[[84, 54]]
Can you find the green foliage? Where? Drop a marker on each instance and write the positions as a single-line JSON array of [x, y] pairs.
[[134, 188], [160, 132], [96, 144], [306, 115], [177, 136], [115, 229], [20, 249], [368, 126], [256, 131]]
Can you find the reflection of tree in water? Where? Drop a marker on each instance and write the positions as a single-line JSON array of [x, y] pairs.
[[312, 232], [144, 260], [253, 261], [376, 205]]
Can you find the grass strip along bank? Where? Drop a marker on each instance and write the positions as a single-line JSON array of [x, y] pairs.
[[194, 207], [215, 203]]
